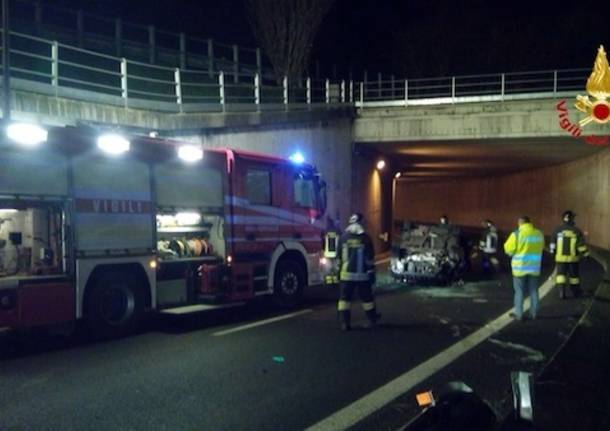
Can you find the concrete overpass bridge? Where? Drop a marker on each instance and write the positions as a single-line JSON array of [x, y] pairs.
[[474, 146]]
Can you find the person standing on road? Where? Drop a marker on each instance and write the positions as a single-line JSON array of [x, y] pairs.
[[488, 245], [568, 246], [525, 246], [357, 272]]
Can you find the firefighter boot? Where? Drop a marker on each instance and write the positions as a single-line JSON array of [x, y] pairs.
[[345, 317], [373, 317]]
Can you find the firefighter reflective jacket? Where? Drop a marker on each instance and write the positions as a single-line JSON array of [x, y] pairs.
[[331, 244], [568, 244], [525, 246], [357, 255], [489, 240]]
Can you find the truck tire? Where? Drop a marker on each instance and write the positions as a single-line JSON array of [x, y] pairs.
[[288, 284], [114, 305]]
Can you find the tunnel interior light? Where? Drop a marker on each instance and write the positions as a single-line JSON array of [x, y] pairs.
[[397, 175], [380, 164], [112, 143], [26, 134], [297, 158], [190, 153]]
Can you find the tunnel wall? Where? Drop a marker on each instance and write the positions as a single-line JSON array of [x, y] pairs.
[[543, 194]]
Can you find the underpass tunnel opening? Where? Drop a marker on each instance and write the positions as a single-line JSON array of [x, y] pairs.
[[474, 181]]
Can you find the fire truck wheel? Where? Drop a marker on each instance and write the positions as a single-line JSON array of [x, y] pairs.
[[114, 305], [289, 284]]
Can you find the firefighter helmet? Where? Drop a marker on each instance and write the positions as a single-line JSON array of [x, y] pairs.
[[568, 216], [355, 218]]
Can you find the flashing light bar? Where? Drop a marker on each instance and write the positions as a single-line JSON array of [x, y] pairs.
[[297, 158]]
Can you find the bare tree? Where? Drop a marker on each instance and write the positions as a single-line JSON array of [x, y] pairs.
[[286, 30]]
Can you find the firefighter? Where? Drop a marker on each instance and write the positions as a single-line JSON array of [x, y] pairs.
[[357, 272], [568, 246], [331, 251], [488, 245]]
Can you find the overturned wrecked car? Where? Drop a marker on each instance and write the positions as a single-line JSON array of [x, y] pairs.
[[428, 254]]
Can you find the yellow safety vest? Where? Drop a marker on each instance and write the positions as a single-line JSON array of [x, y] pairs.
[[525, 246]]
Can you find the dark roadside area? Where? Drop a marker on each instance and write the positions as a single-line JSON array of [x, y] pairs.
[[571, 380], [573, 391]]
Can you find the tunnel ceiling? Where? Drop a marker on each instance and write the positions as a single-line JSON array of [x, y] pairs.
[[431, 160]]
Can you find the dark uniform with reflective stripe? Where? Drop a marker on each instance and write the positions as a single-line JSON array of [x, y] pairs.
[[357, 273], [331, 253], [568, 246]]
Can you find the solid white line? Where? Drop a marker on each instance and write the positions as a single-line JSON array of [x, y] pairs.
[[365, 406], [261, 323]]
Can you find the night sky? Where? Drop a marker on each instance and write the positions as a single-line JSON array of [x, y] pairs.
[[413, 38]]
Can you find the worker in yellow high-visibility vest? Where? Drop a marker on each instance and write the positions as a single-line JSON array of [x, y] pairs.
[[525, 246]]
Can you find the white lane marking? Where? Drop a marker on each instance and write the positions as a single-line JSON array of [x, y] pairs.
[[261, 323], [365, 406]]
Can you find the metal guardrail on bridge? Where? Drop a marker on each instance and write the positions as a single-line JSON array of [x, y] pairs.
[[49, 67], [470, 88]]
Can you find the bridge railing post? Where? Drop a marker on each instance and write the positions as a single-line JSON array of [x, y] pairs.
[[285, 88], [308, 91], [554, 82], [178, 84], [351, 91], [55, 64], [362, 94], [182, 46], [211, 57], [80, 29], [502, 86], [453, 89], [124, 89], [406, 92], [236, 64], [221, 89], [327, 91], [152, 50], [259, 61], [118, 37], [257, 90], [343, 91]]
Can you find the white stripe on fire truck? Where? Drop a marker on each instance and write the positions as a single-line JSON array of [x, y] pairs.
[[275, 239]]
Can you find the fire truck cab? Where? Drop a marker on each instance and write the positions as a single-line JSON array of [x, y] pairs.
[[88, 232]]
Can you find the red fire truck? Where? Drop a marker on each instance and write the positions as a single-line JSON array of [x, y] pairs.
[[107, 232]]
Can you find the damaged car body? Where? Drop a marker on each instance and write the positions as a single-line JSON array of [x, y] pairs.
[[427, 254]]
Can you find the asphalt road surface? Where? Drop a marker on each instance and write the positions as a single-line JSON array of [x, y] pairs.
[[243, 369]]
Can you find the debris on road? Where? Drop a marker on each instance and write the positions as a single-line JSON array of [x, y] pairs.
[[531, 355]]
